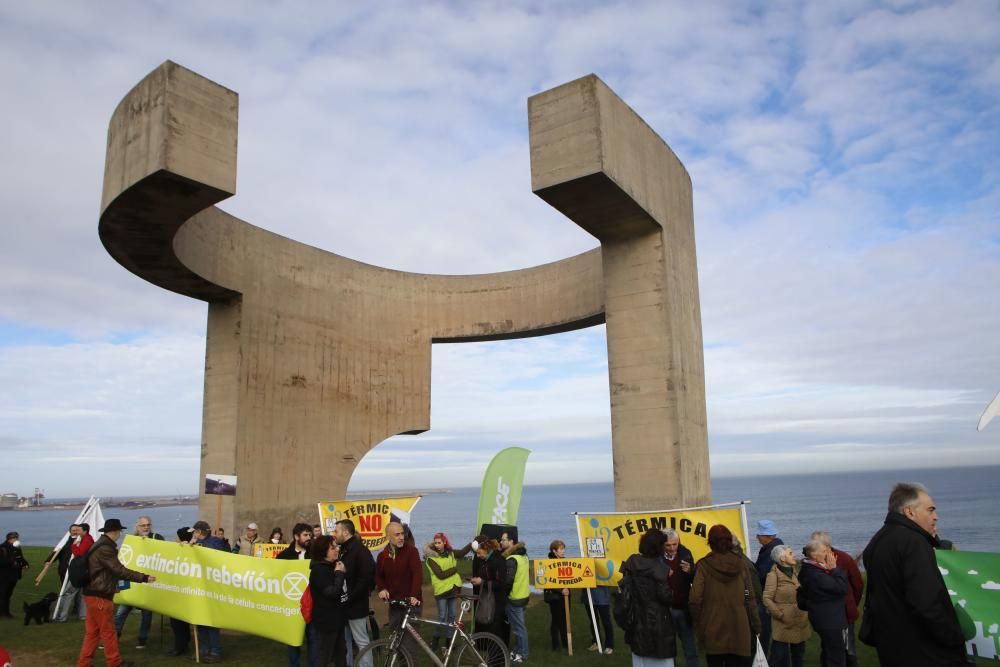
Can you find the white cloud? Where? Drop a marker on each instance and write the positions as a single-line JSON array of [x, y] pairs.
[[846, 201], [991, 586]]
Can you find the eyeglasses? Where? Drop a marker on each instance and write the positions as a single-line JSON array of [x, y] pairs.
[[145, 525]]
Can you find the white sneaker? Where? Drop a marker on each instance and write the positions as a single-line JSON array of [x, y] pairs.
[[517, 659], [608, 651], [592, 647]]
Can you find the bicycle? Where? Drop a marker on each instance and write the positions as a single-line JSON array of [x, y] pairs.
[[480, 649]]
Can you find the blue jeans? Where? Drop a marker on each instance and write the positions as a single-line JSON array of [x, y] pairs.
[[447, 609], [210, 640], [294, 653], [640, 661], [121, 615], [685, 633], [515, 616], [357, 629]]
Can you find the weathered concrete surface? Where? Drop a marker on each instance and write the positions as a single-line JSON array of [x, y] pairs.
[[313, 359], [595, 160]]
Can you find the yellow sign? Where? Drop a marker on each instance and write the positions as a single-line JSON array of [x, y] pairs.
[[259, 596], [564, 573], [370, 516], [611, 538], [269, 550]]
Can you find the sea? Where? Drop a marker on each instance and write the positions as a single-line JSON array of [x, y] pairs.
[[850, 506]]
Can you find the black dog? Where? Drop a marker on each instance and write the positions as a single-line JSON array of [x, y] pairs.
[[39, 611]]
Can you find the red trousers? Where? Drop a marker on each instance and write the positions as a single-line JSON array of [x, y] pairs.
[[100, 629]]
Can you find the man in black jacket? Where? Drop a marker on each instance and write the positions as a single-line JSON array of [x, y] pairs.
[[912, 618], [360, 576], [12, 563], [680, 576], [298, 550]]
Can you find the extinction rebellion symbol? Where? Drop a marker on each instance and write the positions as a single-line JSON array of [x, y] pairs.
[[293, 585], [125, 555]]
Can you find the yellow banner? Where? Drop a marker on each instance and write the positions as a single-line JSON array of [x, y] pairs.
[[259, 596], [269, 550], [564, 573], [370, 516], [611, 538]]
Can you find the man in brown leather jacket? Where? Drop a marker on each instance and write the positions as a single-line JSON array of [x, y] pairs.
[[105, 571]]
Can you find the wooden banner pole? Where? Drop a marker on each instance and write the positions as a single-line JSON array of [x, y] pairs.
[[569, 626]]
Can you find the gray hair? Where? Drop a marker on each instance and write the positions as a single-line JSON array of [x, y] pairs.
[[811, 547], [778, 552], [822, 536], [905, 494], [670, 533]]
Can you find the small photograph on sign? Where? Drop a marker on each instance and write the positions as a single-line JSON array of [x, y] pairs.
[[220, 485], [595, 547]]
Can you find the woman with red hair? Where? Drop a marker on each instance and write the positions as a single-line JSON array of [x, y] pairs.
[[445, 582]]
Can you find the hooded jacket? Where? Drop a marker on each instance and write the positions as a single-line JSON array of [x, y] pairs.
[[913, 619], [440, 576], [105, 570], [515, 580], [723, 614], [652, 632]]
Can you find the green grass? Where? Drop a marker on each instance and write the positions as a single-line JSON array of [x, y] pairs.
[[59, 643]]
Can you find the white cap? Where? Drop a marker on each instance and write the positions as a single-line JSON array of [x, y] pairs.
[[251, 526]]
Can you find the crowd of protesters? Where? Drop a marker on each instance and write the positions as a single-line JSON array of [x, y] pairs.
[[724, 606]]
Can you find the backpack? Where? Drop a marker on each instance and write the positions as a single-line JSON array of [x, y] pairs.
[[623, 604], [306, 605], [79, 570]]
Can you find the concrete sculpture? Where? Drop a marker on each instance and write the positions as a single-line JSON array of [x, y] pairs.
[[313, 359]]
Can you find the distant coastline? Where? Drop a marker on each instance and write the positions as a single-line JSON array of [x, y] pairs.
[[130, 503]]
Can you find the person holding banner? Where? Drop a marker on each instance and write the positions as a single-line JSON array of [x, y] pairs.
[[209, 639], [143, 528], [326, 585], [557, 607], [723, 603], [445, 583], [105, 570], [644, 575]]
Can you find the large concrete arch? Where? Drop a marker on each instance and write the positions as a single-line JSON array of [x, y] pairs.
[[312, 359]]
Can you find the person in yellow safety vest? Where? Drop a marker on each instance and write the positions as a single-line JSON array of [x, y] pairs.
[[445, 582], [517, 582]]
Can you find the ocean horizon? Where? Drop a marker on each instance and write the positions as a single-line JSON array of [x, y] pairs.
[[849, 505]]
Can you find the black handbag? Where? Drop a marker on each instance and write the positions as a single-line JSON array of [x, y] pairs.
[[486, 609]]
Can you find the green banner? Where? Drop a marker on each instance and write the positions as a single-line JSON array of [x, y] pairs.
[[501, 495], [973, 581], [259, 596]]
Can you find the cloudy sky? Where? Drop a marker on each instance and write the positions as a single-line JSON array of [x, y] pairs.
[[847, 208]]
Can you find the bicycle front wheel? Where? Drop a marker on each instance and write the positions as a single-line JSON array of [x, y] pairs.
[[485, 650], [379, 653]]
